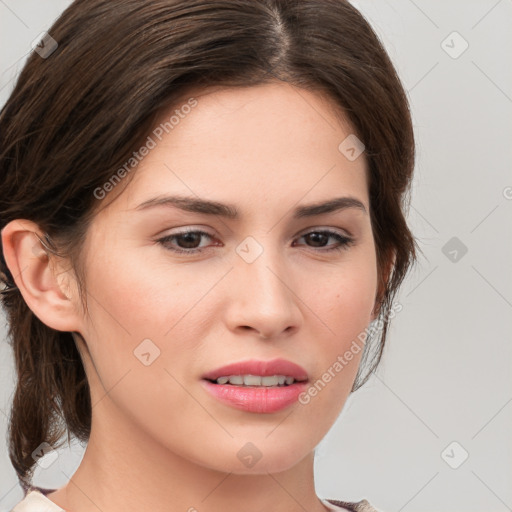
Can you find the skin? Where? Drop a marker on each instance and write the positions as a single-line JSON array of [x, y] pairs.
[[157, 435]]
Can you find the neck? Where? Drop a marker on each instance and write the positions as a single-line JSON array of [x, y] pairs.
[[125, 470]]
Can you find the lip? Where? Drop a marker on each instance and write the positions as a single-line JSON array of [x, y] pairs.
[[257, 399], [263, 368]]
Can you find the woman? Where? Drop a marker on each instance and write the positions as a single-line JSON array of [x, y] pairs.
[[202, 212]]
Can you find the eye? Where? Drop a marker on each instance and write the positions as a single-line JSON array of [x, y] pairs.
[[320, 237], [188, 241], [188, 238]]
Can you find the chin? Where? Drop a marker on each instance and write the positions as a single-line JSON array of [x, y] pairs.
[[259, 457]]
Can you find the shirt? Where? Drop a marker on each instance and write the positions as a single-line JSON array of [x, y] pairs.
[[36, 501]]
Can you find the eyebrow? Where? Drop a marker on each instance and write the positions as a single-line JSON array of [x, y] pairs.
[[204, 206]]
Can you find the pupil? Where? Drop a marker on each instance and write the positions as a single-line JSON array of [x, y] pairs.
[[188, 237], [316, 236]]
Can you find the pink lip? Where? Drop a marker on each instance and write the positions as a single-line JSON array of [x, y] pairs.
[[256, 399], [263, 368], [260, 400]]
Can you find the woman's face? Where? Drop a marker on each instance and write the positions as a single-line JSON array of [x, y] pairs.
[[267, 284]]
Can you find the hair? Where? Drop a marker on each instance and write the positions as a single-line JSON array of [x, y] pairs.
[[76, 116]]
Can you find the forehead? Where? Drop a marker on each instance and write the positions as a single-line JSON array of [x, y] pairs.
[[252, 145]]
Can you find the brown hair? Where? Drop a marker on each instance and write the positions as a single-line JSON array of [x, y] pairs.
[[77, 115]]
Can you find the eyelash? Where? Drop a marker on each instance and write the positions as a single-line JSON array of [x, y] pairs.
[[345, 241]]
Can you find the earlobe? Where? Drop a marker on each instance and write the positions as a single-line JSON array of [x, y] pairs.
[[46, 291]]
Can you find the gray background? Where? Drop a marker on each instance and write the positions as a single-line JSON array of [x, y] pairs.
[[446, 374]]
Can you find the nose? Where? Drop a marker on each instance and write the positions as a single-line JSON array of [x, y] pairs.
[[263, 297]]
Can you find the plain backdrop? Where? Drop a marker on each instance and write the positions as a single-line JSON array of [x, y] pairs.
[[431, 430]]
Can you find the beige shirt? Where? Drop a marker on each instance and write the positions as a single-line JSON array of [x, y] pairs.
[[36, 501]]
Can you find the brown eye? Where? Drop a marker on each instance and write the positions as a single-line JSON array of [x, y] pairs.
[[187, 241], [319, 239]]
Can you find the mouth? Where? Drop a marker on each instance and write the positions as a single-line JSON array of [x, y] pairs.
[[257, 386], [254, 373], [256, 381]]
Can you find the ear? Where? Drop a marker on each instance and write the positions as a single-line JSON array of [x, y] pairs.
[[384, 278], [51, 294]]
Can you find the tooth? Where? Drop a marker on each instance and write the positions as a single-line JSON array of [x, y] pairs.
[[270, 381], [252, 380], [256, 380], [236, 380]]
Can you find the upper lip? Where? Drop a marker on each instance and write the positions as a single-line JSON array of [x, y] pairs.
[[263, 368]]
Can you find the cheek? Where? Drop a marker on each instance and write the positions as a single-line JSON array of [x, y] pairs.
[[346, 296], [141, 298], [137, 312], [132, 301], [343, 302]]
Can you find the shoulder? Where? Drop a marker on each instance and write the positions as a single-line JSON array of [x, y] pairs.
[[36, 501], [353, 506]]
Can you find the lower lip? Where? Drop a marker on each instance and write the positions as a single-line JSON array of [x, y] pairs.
[[262, 400]]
